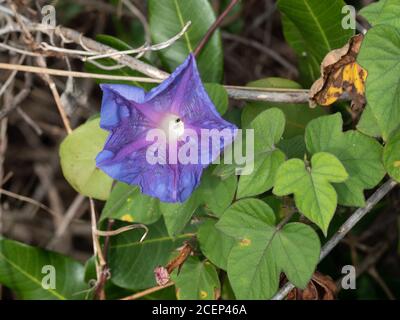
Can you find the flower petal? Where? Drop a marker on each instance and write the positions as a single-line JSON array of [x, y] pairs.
[[114, 106], [169, 183]]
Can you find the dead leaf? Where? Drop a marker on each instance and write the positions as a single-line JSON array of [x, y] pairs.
[[340, 73], [321, 287], [162, 274]]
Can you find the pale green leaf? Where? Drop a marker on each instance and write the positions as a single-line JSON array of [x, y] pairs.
[[314, 195], [78, 152], [382, 12]]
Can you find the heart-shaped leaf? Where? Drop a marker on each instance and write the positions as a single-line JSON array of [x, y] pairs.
[[359, 154], [214, 244], [263, 251], [314, 195], [258, 176]]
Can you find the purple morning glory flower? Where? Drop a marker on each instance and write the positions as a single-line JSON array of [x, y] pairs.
[[180, 109]]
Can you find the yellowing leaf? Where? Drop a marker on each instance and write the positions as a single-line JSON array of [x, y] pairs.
[[341, 73]]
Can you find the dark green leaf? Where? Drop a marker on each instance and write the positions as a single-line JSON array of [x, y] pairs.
[[132, 262], [168, 17], [313, 28], [127, 203], [23, 269]]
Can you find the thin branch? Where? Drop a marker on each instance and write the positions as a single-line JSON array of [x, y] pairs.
[[344, 229], [155, 47], [234, 92], [11, 77], [109, 233], [147, 292], [135, 11], [267, 51], [27, 199], [271, 95], [75, 74], [214, 27]]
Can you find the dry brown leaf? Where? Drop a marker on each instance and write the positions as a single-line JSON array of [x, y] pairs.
[[341, 73], [162, 274], [321, 287]]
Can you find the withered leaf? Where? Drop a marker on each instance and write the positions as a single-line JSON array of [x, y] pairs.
[[162, 274], [340, 73], [321, 287]]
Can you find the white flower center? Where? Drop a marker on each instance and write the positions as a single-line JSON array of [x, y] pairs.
[[173, 127]]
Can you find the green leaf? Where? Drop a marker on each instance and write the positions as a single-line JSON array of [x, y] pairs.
[[368, 124], [391, 156], [382, 12], [268, 129], [197, 280], [214, 244], [214, 192], [78, 152], [23, 268], [168, 17], [177, 215], [314, 195], [380, 56], [294, 147], [218, 96], [132, 262], [308, 65], [313, 28], [297, 115], [127, 203], [360, 155], [263, 251]]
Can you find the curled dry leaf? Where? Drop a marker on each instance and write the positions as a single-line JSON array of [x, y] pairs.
[[340, 73], [321, 287], [162, 274]]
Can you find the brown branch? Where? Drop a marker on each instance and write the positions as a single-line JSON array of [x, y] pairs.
[[147, 292], [214, 27]]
